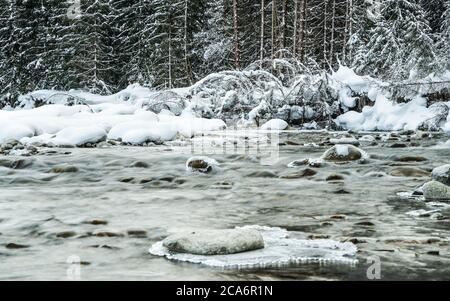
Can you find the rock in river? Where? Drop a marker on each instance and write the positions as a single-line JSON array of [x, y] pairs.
[[442, 174], [64, 169], [202, 165], [215, 242], [343, 153], [300, 174], [407, 171], [435, 190]]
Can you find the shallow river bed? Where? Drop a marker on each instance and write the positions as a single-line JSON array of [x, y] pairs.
[[122, 199]]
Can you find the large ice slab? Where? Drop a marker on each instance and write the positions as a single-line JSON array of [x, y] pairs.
[[279, 250]]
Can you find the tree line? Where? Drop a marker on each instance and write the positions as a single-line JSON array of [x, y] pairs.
[[106, 45]]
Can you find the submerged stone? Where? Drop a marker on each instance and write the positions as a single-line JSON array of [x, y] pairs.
[[262, 174], [300, 174], [435, 190], [410, 159], [407, 171], [215, 242], [63, 169]]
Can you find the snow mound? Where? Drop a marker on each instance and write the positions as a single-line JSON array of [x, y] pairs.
[[140, 132], [80, 124], [274, 125], [279, 250], [388, 116]]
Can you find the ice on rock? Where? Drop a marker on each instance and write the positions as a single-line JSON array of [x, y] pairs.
[[275, 125], [278, 250]]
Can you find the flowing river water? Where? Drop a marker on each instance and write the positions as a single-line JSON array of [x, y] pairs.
[[122, 199]]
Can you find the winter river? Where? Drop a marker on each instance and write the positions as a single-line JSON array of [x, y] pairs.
[[119, 200]]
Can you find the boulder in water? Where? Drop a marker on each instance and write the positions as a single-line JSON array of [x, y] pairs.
[[435, 190], [442, 174], [344, 153], [215, 242]]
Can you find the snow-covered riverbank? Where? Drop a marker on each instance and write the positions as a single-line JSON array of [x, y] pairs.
[[137, 115]]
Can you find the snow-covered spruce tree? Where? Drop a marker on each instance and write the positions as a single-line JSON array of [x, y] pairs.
[[401, 45], [92, 64], [7, 71], [444, 41], [132, 29], [433, 12], [194, 24], [328, 29], [166, 43], [24, 44], [58, 47], [217, 38], [362, 18]]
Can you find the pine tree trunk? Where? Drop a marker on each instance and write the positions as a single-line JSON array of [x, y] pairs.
[[261, 48], [333, 28], [302, 29], [170, 54], [325, 30], [186, 57], [237, 59], [295, 34], [283, 26], [274, 14]]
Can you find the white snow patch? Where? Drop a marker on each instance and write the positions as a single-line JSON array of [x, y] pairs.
[[342, 150], [279, 250]]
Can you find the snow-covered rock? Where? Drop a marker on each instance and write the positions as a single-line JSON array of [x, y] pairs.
[[435, 190], [345, 140], [275, 125], [278, 250], [367, 138], [202, 164], [442, 174], [343, 153], [215, 242]]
